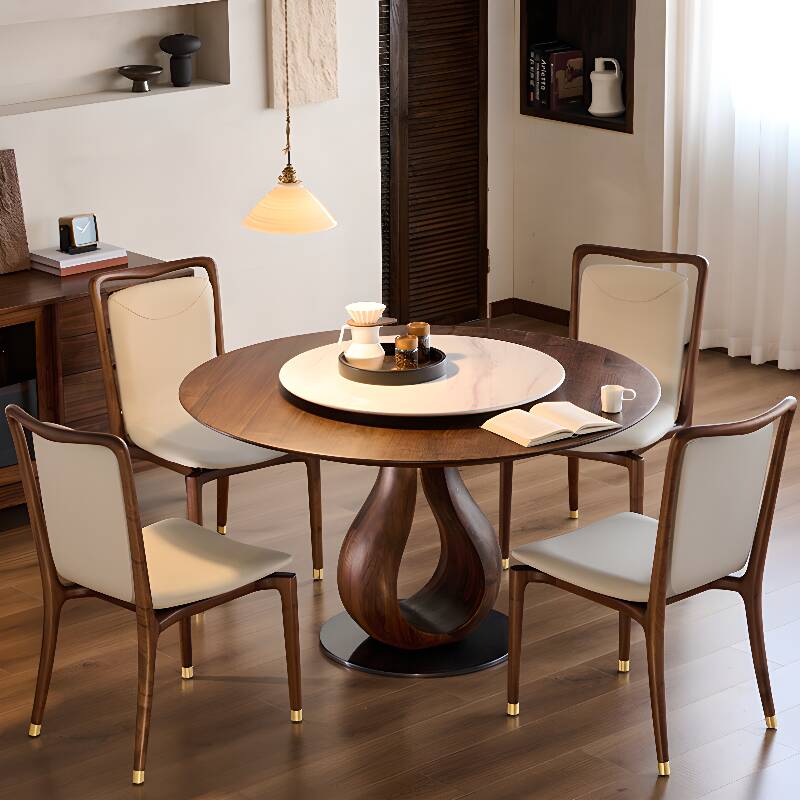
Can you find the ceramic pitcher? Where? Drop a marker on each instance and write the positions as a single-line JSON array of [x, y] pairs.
[[606, 89]]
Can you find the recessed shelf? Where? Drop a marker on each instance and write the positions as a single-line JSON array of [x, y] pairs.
[[599, 28], [84, 52], [17, 12], [578, 115], [109, 95]]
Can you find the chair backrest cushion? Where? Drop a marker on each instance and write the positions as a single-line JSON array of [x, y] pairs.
[[641, 313], [719, 498], [160, 331], [84, 510]]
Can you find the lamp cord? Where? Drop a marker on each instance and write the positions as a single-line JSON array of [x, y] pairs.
[[286, 66], [288, 175]]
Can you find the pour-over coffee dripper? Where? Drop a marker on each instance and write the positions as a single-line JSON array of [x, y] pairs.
[[365, 322]]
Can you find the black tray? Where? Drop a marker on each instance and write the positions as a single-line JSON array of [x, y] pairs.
[[388, 374]]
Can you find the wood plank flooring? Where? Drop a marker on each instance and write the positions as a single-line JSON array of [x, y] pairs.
[[584, 732]]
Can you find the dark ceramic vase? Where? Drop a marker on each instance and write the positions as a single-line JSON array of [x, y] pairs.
[[181, 46]]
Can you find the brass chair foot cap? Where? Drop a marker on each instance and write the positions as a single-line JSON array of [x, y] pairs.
[[772, 723], [222, 529], [506, 563], [318, 574], [512, 709], [663, 769], [187, 673], [138, 776], [34, 730], [296, 716], [623, 666], [574, 514]]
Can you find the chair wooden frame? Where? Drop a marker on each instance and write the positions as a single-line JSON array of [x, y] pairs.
[[631, 460], [651, 615], [150, 622], [100, 287]]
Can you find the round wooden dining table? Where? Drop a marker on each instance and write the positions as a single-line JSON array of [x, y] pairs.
[[450, 625]]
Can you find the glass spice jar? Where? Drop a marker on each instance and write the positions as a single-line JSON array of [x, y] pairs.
[[422, 330], [406, 352]]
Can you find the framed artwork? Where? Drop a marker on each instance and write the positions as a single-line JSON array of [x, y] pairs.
[[313, 51]]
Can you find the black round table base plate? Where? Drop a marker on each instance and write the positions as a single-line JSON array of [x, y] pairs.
[[343, 641]]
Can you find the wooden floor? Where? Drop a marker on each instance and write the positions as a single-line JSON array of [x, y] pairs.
[[584, 732]]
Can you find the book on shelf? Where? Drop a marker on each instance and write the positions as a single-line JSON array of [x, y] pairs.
[[566, 78], [531, 77], [539, 60], [547, 422], [56, 262], [534, 66]]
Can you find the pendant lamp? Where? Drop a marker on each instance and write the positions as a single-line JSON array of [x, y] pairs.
[[289, 207]]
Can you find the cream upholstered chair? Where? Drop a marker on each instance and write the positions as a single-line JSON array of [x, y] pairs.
[[643, 313], [90, 543], [716, 514], [161, 328]]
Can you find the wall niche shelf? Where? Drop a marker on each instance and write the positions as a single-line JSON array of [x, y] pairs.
[[600, 28], [84, 51], [157, 90]]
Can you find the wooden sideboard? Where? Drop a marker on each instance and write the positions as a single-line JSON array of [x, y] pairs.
[[68, 382]]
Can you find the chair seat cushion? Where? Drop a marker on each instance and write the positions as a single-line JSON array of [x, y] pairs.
[[187, 562], [643, 434], [181, 439], [613, 557]]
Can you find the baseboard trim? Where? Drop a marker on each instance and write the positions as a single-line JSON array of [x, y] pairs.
[[499, 308], [514, 305]]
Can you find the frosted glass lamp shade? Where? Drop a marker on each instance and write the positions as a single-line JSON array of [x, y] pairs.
[[289, 208]]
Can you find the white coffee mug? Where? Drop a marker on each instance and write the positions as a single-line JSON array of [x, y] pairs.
[[611, 398]]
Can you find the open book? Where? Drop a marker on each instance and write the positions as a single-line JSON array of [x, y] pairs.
[[546, 422]]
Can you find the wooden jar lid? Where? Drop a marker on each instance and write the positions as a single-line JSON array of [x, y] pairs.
[[406, 343]]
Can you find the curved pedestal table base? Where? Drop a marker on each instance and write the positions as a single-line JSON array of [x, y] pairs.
[[452, 605]]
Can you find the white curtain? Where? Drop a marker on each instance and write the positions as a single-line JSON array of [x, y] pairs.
[[738, 153]]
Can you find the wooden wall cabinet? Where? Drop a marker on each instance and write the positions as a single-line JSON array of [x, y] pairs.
[[49, 320]]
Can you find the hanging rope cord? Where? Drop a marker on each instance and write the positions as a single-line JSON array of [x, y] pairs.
[[286, 67], [288, 175]]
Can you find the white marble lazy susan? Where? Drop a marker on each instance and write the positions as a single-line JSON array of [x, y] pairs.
[[483, 375]]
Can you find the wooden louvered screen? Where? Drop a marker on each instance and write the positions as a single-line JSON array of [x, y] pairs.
[[383, 70], [437, 160]]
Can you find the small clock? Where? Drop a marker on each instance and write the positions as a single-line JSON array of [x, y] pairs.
[[78, 233]]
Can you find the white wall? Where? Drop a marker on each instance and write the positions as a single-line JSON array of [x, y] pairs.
[[503, 93], [173, 175], [575, 184]]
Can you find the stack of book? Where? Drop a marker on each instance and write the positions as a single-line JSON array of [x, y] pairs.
[[555, 75], [56, 262]]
